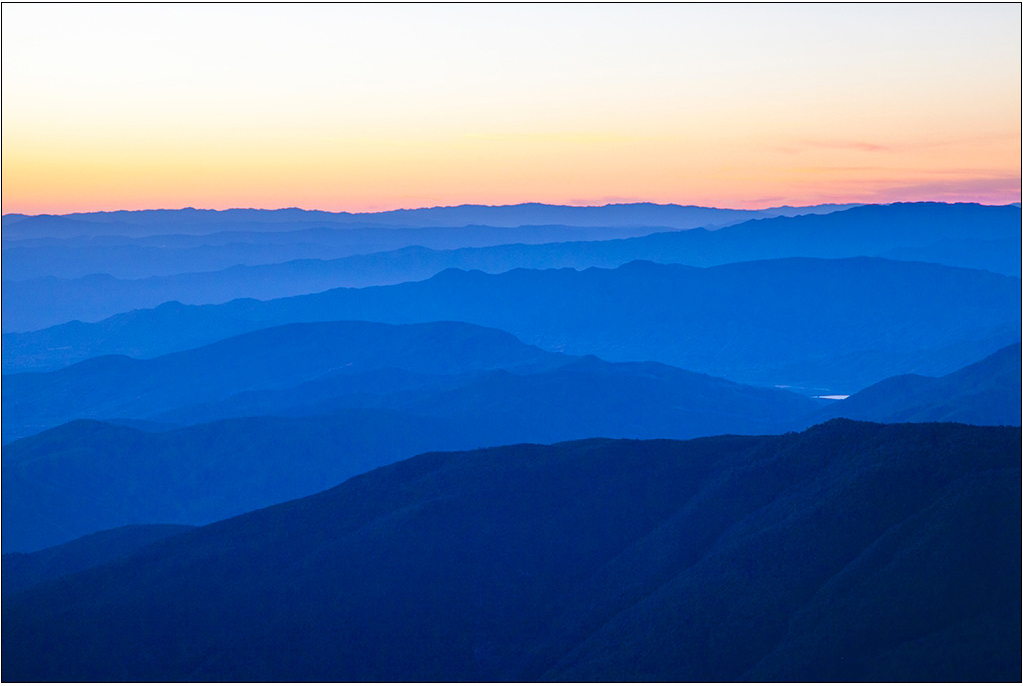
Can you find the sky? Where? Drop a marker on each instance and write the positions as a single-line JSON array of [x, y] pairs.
[[374, 107]]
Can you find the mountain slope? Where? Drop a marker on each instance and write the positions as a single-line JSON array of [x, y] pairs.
[[987, 392], [86, 476], [21, 570], [849, 552], [586, 397], [826, 325], [277, 357]]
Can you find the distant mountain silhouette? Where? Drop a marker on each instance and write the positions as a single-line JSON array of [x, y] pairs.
[[168, 255], [987, 392], [22, 570], [966, 235], [279, 357], [193, 221], [86, 476], [849, 552], [824, 325]]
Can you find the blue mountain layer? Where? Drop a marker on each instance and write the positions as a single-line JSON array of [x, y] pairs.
[[973, 236], [825, 326]]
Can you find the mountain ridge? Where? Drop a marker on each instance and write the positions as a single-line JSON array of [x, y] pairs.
[[715, 559], [808, 317], [515, 214], [276, 357], [86, 475], [21, 571], [381, 415], [955, 235], [986, 392]]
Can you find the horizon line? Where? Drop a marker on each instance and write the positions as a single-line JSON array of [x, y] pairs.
[[520, 204]]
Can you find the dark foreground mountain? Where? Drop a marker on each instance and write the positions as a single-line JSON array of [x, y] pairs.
[[86, 476], [964, 235], [825, 325], [274, 358], [986, 393], [850, 552], [21, 570]]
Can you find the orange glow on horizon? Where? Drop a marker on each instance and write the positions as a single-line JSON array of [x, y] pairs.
[[743, 106], [366, 176]]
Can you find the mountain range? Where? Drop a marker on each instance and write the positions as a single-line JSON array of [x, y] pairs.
[[965, 235], [825, 326], [274, 358], [209, 460], [125, 257], [849, 552], [337, 399], [192, 221], [520, 443]]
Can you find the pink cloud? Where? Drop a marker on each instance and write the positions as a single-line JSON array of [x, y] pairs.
[[992, 190], [802, 146]]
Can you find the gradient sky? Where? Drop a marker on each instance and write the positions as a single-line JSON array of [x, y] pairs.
[[367, 107]]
